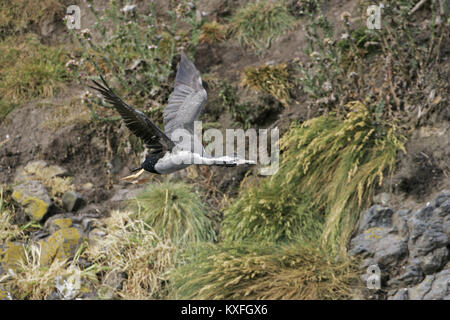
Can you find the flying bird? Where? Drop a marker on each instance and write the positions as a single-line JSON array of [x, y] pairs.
[[184, 107]]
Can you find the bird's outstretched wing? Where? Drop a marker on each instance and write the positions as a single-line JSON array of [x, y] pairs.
[[136, 121], [187, 99]]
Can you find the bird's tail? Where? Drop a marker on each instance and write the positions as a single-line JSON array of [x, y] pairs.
[[137, 169]]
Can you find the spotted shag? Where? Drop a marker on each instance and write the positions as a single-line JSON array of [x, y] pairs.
[[184, 107]]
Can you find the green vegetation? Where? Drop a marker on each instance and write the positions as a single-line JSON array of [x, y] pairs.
[[339, 162], [258, 24], [283, 237], [329, 169], [138, 54], [174, 212], [268, 212], [259, 271], [29, 69], [275, 80], [385, 66]]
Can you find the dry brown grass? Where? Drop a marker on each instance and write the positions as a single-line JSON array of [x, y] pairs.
[[32, 281], [131, 247]]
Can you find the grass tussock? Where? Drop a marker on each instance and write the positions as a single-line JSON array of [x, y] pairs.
[[212, 32], [272, 79], [131, 247], [174, 212], [29, 69], [340, 163], [268, 212], [329, 170], [258, 24], [271, 272]]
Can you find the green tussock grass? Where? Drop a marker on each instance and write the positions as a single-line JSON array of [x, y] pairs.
[[268, 212], [329, 170], [29, 69], [258, 24], [262, 271], [340, 163], [174, 212], [274, 80]]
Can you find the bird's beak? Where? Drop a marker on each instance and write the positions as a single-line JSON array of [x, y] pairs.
[[134, 178]]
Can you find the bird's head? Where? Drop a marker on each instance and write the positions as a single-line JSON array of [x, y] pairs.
[[148, 165]]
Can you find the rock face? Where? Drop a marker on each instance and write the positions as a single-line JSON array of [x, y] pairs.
[[411, 249], [34, 198]]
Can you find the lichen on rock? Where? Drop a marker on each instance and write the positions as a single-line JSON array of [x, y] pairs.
[[34, 198], [60, 245], [11, 255]]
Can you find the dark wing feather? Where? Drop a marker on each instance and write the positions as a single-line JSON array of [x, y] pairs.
[[136, 121]]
